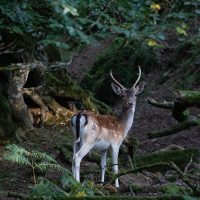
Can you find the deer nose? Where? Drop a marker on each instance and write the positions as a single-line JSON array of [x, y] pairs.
[[130, 103]]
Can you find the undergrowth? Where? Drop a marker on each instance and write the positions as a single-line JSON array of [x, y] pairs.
[[65, 185]]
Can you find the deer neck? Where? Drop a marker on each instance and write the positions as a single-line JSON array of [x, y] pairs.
[[126, 117]]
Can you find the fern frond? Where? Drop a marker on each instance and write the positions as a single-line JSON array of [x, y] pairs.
[[50, 166], [16, 158], [15, 149], [42, 156], [16, 154]]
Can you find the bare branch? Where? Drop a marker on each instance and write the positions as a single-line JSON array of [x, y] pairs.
[[165, 104], [188, 165], [10, 48]]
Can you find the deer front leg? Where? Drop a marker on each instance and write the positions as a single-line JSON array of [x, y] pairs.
[[115, 152], [103, 165], [85, 148]]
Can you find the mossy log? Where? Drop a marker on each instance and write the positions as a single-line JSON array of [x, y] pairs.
[[179, 157], [188, 98], [184, 100], [175, 129]]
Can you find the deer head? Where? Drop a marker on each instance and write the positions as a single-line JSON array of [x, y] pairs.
[[129, 95]]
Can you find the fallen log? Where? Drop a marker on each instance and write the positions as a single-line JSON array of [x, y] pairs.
[[179, 108]]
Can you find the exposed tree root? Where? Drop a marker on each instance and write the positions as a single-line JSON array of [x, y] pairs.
[[46, 103]]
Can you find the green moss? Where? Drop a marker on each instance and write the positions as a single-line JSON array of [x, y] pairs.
[[179, 157], [136, 188], [72, 91], [191, 96], [173, 189]]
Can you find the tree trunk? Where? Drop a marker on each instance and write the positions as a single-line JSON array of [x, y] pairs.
[[21, 113]]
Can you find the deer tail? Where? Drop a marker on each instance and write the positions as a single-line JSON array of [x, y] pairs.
[[79, 121]]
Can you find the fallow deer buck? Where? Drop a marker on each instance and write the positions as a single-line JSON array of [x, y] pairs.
[[102, 132]]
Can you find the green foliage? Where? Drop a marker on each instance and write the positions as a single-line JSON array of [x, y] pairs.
[[162, 197], [43, 162], [34, 159], [123, 58], [55, 22], [136, 188], [70, 187], [19, 155], [174, 189], [79, 189], [153, 29], [46, 189]]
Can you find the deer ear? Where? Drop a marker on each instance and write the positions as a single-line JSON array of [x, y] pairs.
[[116, 89], [140, 87]]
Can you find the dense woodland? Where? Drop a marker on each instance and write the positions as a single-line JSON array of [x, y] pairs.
[[55, 59]]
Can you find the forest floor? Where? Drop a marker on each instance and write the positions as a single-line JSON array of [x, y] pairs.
[[16, 178]]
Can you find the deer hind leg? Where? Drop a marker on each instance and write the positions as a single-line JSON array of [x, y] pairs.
[[103, 165], [85, 148], [76, 148], [115, 152]]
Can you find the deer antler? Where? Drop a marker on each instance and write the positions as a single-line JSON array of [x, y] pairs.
[[139, 76], [120, 85]]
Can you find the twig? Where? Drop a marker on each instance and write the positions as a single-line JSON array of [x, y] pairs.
[[144, 167], [33, 170], [183, 177], [188, 165]]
